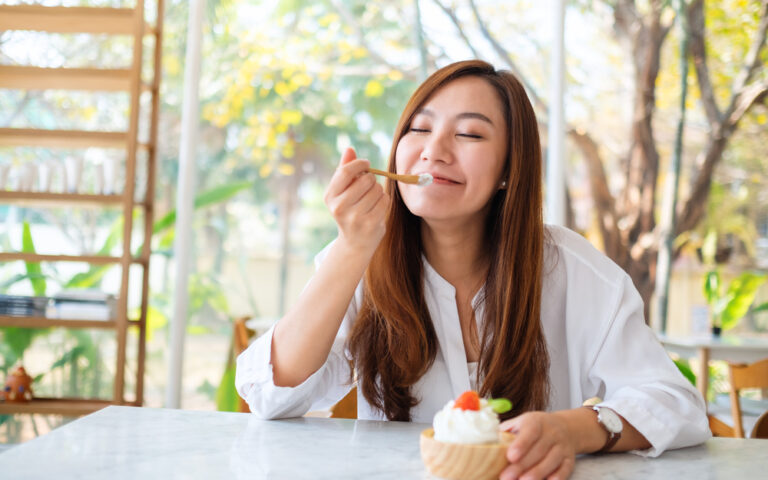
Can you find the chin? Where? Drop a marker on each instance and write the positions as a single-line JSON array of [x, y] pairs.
[[435, 214]]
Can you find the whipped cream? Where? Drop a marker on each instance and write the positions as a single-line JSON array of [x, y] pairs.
[[454, 425]]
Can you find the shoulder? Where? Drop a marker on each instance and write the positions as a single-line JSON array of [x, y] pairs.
[[570, 253]]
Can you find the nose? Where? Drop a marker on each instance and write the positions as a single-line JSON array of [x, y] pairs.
[[437, 148]]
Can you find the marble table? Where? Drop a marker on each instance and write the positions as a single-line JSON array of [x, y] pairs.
[[144, 443]]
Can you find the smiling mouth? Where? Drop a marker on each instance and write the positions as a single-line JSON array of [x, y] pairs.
[[443, 181]]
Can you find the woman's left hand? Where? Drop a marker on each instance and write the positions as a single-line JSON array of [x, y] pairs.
[[542, 449]]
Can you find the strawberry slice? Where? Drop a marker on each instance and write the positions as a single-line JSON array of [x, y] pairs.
[[468, 400]]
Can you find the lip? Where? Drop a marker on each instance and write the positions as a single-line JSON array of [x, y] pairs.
[[441, 179]]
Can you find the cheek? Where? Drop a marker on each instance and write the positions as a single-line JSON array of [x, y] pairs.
[[406, 154]]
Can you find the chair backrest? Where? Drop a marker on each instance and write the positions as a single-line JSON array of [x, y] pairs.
[[719, 428], [347, 406], [241, 336], [760, 430], [344, 408], [742, 376]]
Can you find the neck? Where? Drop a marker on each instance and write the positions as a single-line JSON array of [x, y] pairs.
[[456, 252]]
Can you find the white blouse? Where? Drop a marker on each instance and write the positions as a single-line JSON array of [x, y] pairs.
[[598, 342]]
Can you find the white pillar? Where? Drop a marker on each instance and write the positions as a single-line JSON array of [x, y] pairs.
[[555, 195], [185, 198]]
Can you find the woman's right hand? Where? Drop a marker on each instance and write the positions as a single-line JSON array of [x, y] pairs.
[[358, 203]]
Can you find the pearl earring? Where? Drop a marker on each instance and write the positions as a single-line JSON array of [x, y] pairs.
[[504, 184]]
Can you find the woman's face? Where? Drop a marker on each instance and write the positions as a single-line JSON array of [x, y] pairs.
[[459, 136]]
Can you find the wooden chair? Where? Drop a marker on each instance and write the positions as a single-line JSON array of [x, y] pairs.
[[719, 428], [344, 408], [347, 406], [760, 430], [241, 337], [744, 376]]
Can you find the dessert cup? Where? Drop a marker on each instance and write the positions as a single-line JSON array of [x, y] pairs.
[[458, 461]]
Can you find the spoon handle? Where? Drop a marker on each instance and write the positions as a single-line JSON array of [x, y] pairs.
[[413, 179]]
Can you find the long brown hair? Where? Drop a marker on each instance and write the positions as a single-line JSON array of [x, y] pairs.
[[393, 341]]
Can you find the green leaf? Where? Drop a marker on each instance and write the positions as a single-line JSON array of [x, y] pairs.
[[88, 279], [685, 369], [94, 274], [18, 340], [14, 279], [500, 405], [69, 356], [35, 273], [712, 286], [741, 294], [227, 398], [209, 197], [760, 308]]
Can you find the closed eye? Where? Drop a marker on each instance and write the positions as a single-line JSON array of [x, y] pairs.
[[469, 135], [418, 130]]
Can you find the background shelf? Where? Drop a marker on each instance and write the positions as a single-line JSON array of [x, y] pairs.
[[70, 407]]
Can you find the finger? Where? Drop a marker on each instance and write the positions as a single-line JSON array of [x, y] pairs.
[[348, 155], [370, 198], [345, 175], [535, 454], [527, 432], [356, 190], [381, 206], [545, 466], [564, 471]]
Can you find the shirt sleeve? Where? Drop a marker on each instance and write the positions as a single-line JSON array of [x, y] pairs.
[[254, 382], [642, 384], [254, 379]]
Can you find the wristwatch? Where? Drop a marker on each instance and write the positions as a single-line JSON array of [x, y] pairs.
[[612, 424]]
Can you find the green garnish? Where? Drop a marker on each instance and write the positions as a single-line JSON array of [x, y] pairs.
[[500, 405]]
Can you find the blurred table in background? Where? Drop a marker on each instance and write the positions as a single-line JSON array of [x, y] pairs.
[[731, 348]]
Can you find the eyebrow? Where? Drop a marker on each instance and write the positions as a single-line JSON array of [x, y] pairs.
[[463, 115]]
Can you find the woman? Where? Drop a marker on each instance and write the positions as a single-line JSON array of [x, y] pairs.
[[430, 291]]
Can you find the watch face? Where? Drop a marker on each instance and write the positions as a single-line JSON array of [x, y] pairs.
[[609, 419]]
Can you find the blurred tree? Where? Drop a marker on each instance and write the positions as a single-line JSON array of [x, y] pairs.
[[315, 75], [626, 214], [291, 94]]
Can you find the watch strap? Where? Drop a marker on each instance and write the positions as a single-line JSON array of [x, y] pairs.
[[613, 437]]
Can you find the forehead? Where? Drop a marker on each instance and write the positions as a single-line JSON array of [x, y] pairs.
[[466, 94]]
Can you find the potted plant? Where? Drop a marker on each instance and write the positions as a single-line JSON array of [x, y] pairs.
[[729, 305]]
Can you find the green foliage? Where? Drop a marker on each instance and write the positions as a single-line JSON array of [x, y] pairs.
[[227, 398], [34, 272], [92, 277], [763, 307], [685, 368], [70, 356], [725, 218], [729, 305], [213, 196], [16, 340]]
